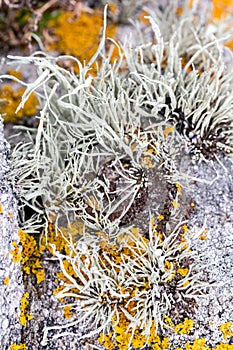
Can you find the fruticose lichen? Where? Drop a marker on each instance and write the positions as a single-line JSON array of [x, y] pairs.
[[90, 162]]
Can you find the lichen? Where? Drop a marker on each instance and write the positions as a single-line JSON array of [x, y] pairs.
[[226, 329], [18, 346], [24, 310], [10, 98], [6, 280], [79, 36], [29, 254]]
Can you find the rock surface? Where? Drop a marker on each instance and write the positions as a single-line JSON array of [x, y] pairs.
[[11, 285]]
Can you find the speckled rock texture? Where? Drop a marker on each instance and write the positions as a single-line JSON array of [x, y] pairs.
[[11, 285], [213, 198]]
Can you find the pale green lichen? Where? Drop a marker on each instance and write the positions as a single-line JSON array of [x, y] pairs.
[[169, 94]]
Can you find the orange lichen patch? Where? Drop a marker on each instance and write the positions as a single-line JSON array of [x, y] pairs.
[[9, 101], [80, 36], [10, 215], [224, 347], [16, 252], [63, 237], [1, 208], [179, 188], [15, 73], [24, 314], [221, 8], [183, 272], [143, 17], [203, 235], [185, 327], [18, 347], [175, 204], [198, 344], [185, 228], [168, 321], [168, 130], [30, 256], [147, 162], [226, 330], [6, 280], [67, 311], [122, 337]]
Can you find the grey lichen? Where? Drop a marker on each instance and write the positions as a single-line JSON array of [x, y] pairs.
[[98, 140]]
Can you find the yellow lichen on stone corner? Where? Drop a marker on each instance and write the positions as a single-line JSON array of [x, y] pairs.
[[10, 99]]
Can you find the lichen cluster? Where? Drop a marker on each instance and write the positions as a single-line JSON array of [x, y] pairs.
[[28, 254], [10, 98], [88, 170], [67, 28]]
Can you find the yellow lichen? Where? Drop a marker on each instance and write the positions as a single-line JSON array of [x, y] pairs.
[[10, 98], [30, 256], [175, 204], [183, 272], [226, 330], [16, 252], [67, 311], [198, 344], [122, 337], [168, 130], [224, 347], [221, 8], [203, 235], [24, 314], [6, 280], [179, 188], [1, 208], [80, 36], [185, 327], [15, 73], [18, 346], [168, 321]]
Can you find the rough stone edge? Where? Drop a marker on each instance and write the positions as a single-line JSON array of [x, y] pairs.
[[12, 291]]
